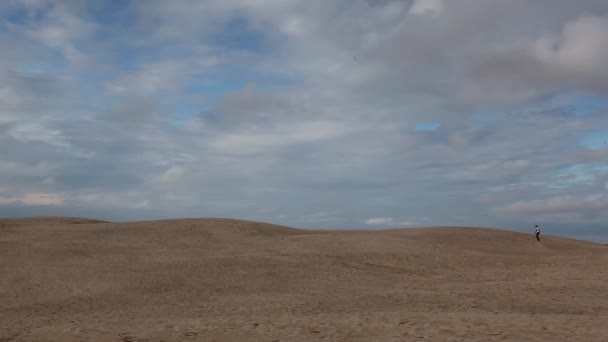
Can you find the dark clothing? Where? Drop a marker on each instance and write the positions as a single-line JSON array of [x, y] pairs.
[[537, 236]]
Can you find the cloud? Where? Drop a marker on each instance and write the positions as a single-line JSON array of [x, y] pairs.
[[152, 79], [134, 110], [281, 136], [493, 170], [62, 30], [559, 208], [384, 221], [249, 107], [34, 199], [35, 94], [579, 50], [426, 6], [379, 221], [572, 58], [172, 175]]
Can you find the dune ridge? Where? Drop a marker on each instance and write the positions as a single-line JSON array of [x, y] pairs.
[[231, 280]]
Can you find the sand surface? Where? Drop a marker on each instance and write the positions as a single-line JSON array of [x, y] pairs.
[[65, 279]]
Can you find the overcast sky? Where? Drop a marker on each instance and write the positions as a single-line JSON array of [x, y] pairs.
[[313, 114]]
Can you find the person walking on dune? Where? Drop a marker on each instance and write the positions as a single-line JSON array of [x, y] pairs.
[[537, 228]]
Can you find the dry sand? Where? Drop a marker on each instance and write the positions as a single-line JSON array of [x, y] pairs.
[[67, 279]]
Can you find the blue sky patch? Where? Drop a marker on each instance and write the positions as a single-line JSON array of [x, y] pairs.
[[238, 33], [589, 104], [596, 140], [427, 126]]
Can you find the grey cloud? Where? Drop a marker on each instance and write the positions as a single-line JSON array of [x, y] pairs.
[[337, 144], [249, 107], [573, 59], [444, 55], [62, 28], [599, 155], [36, 94], [562, 207], [95, 175], [6, 126], [134, 111]]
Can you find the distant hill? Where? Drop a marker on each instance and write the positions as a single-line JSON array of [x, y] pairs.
[[45, 220]]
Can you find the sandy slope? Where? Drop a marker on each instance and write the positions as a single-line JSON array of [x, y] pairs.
[[229, 280]]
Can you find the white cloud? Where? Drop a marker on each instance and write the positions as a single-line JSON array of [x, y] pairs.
[[383, 221], [41, 132], [378, 221], [152, 79], [406, 223], [35, 199], [172, 175], [280, 136]]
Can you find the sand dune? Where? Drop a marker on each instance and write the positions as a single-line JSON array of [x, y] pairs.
[[69, 279]]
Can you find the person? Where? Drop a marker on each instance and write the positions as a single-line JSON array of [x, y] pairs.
[[537, 228]]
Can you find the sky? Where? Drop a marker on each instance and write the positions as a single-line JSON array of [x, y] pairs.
[[362, 114]]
